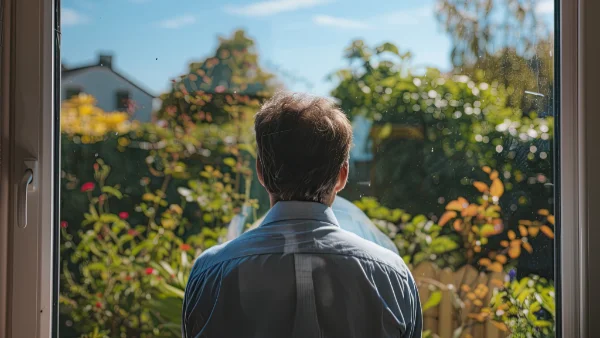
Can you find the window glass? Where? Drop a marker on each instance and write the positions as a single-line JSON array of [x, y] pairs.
[[72, 92], [451, 103], [122, 99]]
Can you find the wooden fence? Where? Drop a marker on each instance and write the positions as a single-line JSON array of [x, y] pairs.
[[448, 316]]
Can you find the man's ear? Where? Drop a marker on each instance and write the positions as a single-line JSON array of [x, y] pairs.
[[259, 172], [342, 177]]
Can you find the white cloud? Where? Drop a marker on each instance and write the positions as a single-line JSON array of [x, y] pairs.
[[326, 20], [177, 22], [411, 16], [271, 7], [71, 17], [545, 7]]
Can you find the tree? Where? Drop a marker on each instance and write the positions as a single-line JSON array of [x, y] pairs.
[[431, 133], [503, 41], [227, 85]]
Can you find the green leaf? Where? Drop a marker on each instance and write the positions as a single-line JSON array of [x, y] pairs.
[[93, 213], [419, 219], [542, 323], [109, 218], [112, 191], [96, 267], [388, 47], [434, 299], [385, 131], [230, 161], [419, 257], [443, 244], [143, 245], [523, 295]]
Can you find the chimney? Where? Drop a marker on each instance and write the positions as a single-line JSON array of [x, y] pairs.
[[105, 60]]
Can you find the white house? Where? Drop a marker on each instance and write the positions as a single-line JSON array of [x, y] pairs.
[[112, 90]]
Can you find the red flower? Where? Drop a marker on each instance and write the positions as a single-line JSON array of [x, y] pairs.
[[127, 277], [88, 186], [99, 305], [185, 247], [132, 232], [149, 271], [64, 224], [96, 166], [123, 215]]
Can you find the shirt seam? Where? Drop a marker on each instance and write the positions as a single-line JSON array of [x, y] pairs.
[[394, 269], [298, 219]]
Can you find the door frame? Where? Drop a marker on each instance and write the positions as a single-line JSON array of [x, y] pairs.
[[27, 126]]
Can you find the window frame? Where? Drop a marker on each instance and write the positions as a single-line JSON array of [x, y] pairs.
[[577, 190], [122, 103]]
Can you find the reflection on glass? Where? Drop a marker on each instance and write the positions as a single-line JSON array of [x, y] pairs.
[[451, 105]]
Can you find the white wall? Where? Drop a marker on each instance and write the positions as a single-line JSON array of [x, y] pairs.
[[103, 84]]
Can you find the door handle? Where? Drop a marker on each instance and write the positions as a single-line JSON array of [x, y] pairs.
[[22, 198]]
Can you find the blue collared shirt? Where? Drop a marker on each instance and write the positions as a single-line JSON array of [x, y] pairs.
[[300, 275]]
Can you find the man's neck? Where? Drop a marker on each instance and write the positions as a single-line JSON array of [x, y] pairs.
[[274, 201]]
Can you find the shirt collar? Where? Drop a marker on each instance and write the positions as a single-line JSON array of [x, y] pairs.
[[297, 210]]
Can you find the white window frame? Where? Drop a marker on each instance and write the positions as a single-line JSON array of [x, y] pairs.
[[27, 269]]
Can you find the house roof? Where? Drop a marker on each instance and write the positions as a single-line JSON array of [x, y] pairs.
[[71, 71]]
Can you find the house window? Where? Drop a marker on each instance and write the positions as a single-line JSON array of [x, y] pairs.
[[122, 99], [71, 92]]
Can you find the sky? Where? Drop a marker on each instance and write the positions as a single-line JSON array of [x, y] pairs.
[[153, 41]]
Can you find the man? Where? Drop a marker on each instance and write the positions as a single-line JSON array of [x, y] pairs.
[[299, 274]]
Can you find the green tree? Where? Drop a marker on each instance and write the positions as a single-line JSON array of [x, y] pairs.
[[502, 41], [431, 133], [227, 85]]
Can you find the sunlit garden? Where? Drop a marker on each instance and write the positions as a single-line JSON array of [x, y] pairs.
[[460, 180]]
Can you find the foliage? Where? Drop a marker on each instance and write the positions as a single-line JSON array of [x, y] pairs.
[[526, 308], [167, 210], [225, 87], [418, 238], [430, 132], [479, 28], [115, 274], [462, 234], [462, 237], [80, 116], [503, 41]]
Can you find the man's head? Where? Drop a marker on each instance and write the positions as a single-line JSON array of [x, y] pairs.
[[303, 148]]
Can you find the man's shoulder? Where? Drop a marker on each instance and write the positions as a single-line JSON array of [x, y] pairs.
[[217, 254], [332, 241], [367, 250], [208, 258]]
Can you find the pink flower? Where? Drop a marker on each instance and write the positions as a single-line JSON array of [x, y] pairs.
[[88, 186], [149, 271], [123, 215], [219, 89], [64, 224], [185, 247], [96, 166]]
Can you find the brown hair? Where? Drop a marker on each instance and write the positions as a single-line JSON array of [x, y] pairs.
[[303, 142]]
